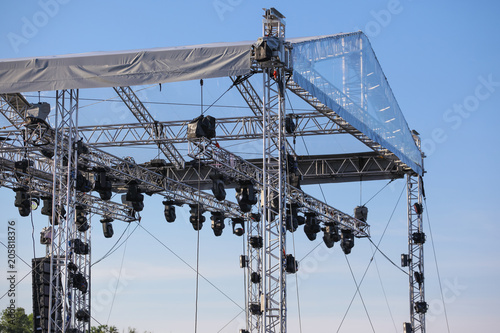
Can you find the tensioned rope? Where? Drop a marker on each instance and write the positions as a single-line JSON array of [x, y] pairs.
[[437, 266], [371, 259]]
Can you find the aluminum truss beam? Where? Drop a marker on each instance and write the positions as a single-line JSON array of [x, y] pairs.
[[142, 114], [234, 128], [239, 170], [12, 106]]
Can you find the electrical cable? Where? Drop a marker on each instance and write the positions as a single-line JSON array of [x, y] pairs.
[[117, 282], [194, 269], [437, 266], [229, 322], [383, 290], [198, 218], [216, 99], [297, 287], [360, 296], [113, 249], [390, 181]]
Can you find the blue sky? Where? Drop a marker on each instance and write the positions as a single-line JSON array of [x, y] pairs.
[[440, 59]]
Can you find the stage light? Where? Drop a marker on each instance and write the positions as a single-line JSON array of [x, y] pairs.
[[22, 202], [331, 234], [83, 315], [169, 211], [246, 196], [107, 227], [291, 265], [347, 242], [79, 282], [238, 226], [418, 237], [79, 247], [103, 185], [311, 227], [196, 217], [81, 219], [218, 186], [256, 242], [255, 277], [421, 307], [292, 220], [217, 223], [133, 198]]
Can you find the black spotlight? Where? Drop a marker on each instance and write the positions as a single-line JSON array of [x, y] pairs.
[[312, 227], [134, 198], [418, 237], [81, 219], [347, 242], [255, 277], [256, 242], [421, 307], [103, 185], [292, 219], [246, 196], [239, 226], [331, 234], [79, 247], [169, 210], [82, 183], [291, 265], [217, 223], [196, 217], [83, 315], [107, 227], [22, 202], [79, 282], [419, 209], [218, 186]]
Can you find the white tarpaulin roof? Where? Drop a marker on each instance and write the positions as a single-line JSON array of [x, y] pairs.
[[124, 68]]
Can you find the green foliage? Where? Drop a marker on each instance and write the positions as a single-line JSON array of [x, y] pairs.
[[15, 320], [103, 329]]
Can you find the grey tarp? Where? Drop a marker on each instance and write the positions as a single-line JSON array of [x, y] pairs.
[[124, 68]]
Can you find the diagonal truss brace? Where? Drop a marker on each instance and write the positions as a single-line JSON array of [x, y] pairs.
[[142, 114]]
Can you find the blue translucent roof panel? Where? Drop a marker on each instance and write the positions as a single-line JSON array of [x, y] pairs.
[[343, 73]]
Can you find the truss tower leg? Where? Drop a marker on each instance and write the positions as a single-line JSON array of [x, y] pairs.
[[416, 239], [69, 299]]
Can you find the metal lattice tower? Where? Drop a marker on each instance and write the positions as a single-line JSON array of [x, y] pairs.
[[273, 302], [69, 300], [415, 259]]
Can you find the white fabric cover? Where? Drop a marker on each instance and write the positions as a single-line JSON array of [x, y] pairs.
[[124, 68]]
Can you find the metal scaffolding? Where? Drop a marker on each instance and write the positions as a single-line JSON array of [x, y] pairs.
[[66, 166]]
